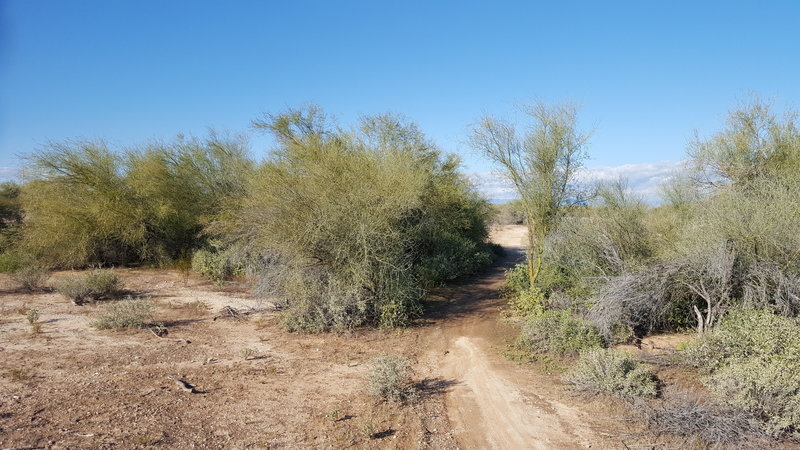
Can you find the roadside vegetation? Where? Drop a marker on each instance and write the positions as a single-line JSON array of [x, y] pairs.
[[719, 257]]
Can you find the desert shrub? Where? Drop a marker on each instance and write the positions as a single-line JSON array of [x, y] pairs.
[[349, 227], [516, 280], [10, 262], [703, 423], [88, 204], [32, 315], [31, 278], [390, 378], [640, 303], [97, 284], [559, 332], [214, 265], [612, 372], [127, 313], [752, 359], [529, 301], [509, 213]]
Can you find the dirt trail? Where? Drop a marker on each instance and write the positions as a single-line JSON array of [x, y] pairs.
[[492, 402]]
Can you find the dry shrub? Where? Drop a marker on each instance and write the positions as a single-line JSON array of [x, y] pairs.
[[96, 285], [703, 424], [612, 372], [390, 378], [32, 278], [128, 313]]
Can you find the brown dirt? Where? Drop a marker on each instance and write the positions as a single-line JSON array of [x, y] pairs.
[[71, 386]]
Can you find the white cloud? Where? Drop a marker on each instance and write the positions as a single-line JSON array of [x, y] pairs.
[[9, 174], [643, 179]]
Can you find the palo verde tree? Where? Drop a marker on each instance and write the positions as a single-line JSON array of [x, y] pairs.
[[541, 163], [353, 224]]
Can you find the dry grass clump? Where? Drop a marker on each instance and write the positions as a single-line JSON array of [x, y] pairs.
[[612, 372], [31, 278], [96, 285], [128, 313], [703, 424], [390, 378]]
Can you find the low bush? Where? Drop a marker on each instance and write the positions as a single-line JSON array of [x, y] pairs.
[[214, 265], [390, 378], [31, 278], [612, 372], [751, 359], [96, 285], [703, 424], [559, 332], [128, 313], [9, 262]]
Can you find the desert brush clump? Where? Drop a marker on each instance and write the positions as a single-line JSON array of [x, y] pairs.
[[95, 285], [348, 227], [128, 313], [703, 423], [612, 372], [558, 332], [751, 360], [88, 204], [31, 278], [390, 378]]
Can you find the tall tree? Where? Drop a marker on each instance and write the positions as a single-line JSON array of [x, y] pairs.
[[541, 163]]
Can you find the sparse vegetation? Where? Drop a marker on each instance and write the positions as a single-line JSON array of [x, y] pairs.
[[95, 285], [32, 315], [612, 372], [390, 378], [31, 278], [128, 313]]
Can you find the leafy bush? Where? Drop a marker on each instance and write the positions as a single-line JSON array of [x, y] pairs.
[[516, 280], [559, 332], [31, 278], [390, 378], [752, 359], [97, 284], [90, 204], [612, 372], [214, 265], [350, 227], [128, 313], [9, 262]]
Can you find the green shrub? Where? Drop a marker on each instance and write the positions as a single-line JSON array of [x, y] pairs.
[[516, 280], [91, 204], [559, 332], [31, 278], [96, 285], [214, 265], [390, 378], [128, 313], [612, 372], [752, 360], [352, 225], [10, 262]]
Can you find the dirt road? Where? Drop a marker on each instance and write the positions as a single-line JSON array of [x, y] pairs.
[[493, 402]]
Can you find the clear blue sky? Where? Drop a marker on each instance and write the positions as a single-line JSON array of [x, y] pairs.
[[647, 73]]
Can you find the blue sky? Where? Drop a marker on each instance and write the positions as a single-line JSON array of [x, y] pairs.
[[646, 73]]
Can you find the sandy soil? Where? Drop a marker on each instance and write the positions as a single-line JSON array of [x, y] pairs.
[[71, 386]]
